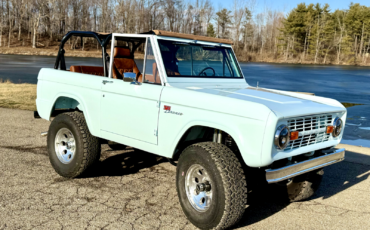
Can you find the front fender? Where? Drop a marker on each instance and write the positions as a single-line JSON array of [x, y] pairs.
[[247, 133]]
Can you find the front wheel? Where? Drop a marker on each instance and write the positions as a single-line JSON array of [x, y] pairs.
[[211, 186], [71, 147]]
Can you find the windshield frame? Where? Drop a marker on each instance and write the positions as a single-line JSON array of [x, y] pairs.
[[226, 49]]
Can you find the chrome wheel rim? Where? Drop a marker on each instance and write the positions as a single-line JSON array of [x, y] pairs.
[[198, 187], [65, 146]]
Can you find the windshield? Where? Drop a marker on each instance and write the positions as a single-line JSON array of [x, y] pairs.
[[195, 60]]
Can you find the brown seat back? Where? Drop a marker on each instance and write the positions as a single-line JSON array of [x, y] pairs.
[[93, 70], [123, 62], [169, 61], [153, 78], [156, 77]]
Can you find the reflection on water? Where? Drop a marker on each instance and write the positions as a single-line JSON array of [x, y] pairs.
[[24, 69], [347, 84], [357, 131], [357, 142], [344, 83]]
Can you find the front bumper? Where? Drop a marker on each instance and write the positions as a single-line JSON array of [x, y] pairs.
[[280, 174]]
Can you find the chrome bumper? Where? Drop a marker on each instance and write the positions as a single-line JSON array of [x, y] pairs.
[[276, 175]]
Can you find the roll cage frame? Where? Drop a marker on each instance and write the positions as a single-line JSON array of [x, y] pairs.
[[102, 39]]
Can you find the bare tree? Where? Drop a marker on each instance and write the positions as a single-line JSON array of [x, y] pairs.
[[239, 16], [9, 22], [1, 22], [170, 6], [320, 35], [20, 8], [38, 14]]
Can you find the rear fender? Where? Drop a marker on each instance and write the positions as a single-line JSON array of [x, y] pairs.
[[71, 102]]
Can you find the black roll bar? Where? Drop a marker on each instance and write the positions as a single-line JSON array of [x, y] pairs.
[[103, 40]]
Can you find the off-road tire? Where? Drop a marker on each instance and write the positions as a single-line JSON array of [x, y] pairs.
[[115, 146], [302, 187], [229, 184], [88, 147]]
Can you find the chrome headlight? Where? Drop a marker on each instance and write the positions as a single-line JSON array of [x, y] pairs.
[[282, 137], [338, 126]]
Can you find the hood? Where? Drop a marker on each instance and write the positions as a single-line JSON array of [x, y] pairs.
[[283, 104]]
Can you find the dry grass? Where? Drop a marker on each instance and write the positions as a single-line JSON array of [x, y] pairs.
[[17, 96]]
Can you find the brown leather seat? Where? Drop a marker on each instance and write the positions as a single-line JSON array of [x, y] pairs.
[[93, 70], [153, 78], [124, 62], [156, 77], [169, 61]]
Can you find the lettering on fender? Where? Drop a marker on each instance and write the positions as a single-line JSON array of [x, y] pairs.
[[167, 109]]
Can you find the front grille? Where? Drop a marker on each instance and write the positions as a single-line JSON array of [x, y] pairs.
[[312, 130], [309, 123]]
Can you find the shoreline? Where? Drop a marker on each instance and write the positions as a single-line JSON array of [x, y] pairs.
[[307, 63], [53, 51]]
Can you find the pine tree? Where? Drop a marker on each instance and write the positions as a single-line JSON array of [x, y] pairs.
[[358, 17], [247, 27], [210, 30], [223, 21], [297, 29]]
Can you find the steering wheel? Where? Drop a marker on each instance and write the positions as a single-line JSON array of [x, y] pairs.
[[202, 73]]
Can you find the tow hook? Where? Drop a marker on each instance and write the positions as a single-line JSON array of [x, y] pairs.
[[44, 134]]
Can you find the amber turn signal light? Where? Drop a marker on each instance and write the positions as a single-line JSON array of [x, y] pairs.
[[294, 135], [329, 129]]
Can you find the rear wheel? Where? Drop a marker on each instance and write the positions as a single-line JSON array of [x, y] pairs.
[[211, 186], [71, 147]]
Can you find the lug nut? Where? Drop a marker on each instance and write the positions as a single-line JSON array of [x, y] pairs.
[[201, 187]]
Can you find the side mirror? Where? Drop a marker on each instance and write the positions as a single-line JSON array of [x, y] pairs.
[[129, 77]]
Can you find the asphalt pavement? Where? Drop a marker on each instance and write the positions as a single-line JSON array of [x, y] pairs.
[[134, 190]]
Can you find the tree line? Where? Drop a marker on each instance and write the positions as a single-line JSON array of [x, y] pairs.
[[315, 33], [308, 33]]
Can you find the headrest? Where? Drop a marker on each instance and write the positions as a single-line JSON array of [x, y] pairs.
[[76, 69], [167, 56], [121, 52]]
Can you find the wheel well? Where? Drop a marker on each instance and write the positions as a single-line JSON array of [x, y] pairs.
[[65, 104], [198, 134]]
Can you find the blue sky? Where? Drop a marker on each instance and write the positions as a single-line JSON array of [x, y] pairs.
[[287, 5]]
